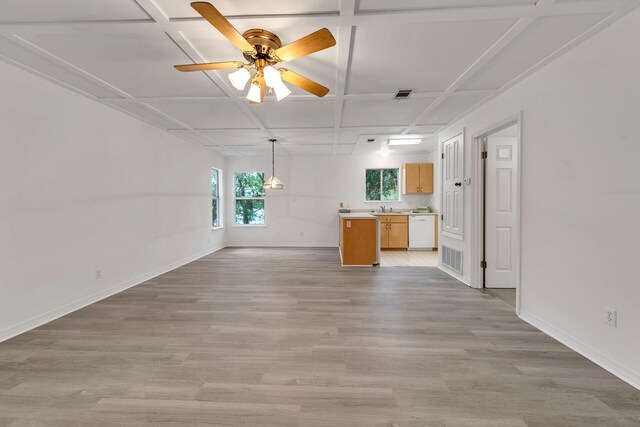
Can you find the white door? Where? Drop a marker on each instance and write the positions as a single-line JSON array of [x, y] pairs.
[[452, 186], [501, 195]]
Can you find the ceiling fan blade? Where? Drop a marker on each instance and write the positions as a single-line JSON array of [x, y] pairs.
[[216, 19], [208, 66], [314, 42], [303, 83]]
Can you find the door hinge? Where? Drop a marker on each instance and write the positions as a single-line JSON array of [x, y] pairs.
[[483, 264], [483, 155], [442, 217], [443, 156]]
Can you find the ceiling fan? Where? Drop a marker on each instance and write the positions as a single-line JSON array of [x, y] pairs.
[[263, 50]]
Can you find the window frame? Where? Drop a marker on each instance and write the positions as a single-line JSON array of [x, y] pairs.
[[236, 198], [218, 198], [398, 185]]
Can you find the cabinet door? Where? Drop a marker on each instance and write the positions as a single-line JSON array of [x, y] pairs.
[[398, 235], [426, 178], [411, 178], [384, 235]]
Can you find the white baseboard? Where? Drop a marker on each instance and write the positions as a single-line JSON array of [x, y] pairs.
[[283, 246], [25, 326], [625, 374], [454, 275]]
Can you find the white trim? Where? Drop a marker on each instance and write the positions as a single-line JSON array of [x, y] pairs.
[[34, 322], [453, 273], [625, 374], [476, 203]]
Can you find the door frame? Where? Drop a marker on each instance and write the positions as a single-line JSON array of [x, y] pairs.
[[477, 215]]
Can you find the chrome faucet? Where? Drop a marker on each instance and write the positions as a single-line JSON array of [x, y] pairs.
[[383, 209]]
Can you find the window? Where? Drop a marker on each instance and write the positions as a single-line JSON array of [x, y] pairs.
[[249, 198], [381, 185], [215, 198]]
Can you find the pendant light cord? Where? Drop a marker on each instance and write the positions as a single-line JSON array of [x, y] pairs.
[[273, 157]]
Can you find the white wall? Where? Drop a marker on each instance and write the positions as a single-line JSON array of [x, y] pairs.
[[305, 212], [85, 187], [580, 194]]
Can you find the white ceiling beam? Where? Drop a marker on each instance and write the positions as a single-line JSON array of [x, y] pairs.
[[404, 17], [345, 44], [295, 97]]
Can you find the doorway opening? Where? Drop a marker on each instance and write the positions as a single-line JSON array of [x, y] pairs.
[[498, 213]]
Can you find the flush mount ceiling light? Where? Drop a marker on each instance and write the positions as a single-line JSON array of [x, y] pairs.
[[404, 141], [273, 183], [263, 50]]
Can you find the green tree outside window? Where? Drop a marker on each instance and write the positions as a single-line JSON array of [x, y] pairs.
[[249, 195], [381, 185]]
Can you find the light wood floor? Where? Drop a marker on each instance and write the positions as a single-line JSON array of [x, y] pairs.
[[237, 339], [408, 258]]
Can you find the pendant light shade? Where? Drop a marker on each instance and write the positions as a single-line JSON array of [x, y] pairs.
[[281, 91], [273, 183], [254, 92], [240, 78], [272, 76]]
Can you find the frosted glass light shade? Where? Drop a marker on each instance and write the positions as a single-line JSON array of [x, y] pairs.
[[273, 183], [272, 76], [254, 93], [240, 78], [281, 91]]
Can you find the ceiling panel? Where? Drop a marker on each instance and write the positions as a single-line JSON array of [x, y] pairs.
[[386, 5], [319, 66], [543, 37], [182, 9], [237, 137], [69, 10], [418, 56], [305, 136], [363, 146], [37, 62], [295, 114], [304, 150], [206, 115], [451, 108], [149, 115], [139, 64], [381, 112]]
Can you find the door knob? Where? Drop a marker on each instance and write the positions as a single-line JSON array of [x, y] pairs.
[[458, 184]]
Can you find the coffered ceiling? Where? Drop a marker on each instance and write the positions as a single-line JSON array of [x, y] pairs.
[[453, 54]]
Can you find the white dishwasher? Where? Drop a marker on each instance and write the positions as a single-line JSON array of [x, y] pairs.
[[422, 231]]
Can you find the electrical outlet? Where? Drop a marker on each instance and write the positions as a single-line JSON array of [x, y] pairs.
[[610, 316], [98, 274]]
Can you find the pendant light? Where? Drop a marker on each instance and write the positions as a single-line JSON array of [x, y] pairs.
[[273, 183]]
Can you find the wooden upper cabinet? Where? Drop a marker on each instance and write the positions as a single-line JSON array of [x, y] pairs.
[[418, 178]]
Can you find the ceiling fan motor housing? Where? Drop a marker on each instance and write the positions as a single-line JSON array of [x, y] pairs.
[[264, 42]]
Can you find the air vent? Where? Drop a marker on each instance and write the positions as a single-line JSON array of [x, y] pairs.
[[452, 258], [403, 93]]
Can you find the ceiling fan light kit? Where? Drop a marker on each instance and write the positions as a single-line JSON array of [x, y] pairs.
[[263, 50], [240, 78]]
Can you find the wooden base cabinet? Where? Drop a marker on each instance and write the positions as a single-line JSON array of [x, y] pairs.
[[358, 241], [394, 233], [417, 178]]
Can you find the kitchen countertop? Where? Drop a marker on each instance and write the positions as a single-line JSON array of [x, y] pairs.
[[403, 213], [357, 215]]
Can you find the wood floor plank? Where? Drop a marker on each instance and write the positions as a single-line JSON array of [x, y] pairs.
[[237, 339]]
